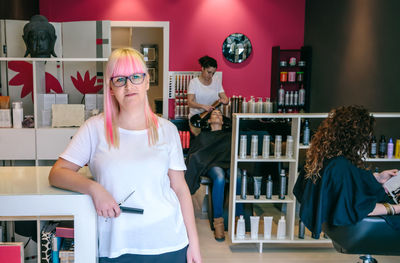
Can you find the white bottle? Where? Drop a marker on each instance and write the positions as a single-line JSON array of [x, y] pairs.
[[281, 233], [267, 105], [18, 114], [254, 146], [259, 105], [244, 106], [254, 222], [265, 149], [289, 147], [278, 146], [240, 228]]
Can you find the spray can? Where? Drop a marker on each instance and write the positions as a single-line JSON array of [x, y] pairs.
[[268, 194], [282, 190], [244, 185]]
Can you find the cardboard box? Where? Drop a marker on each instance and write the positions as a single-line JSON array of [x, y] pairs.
[[68, 115]]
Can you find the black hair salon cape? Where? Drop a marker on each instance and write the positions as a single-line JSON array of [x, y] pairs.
[[209, 149], [344, 195]]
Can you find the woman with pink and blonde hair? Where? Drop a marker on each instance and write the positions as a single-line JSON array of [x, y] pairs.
[[144, 207]]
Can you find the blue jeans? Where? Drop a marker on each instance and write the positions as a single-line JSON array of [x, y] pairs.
[[218, 176]]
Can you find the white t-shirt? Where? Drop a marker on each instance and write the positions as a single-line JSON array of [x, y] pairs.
[[204, 94], [134, 166]]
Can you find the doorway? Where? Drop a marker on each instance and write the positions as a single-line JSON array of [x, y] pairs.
[[152, 39]]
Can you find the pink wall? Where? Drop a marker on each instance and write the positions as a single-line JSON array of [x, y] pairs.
[[199, 27]]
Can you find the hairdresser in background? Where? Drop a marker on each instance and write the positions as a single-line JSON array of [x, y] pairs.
[[210, 156], [336, 187], [205, 90], [136, 158]]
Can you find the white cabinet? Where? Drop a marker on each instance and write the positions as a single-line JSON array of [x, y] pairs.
[[44, 142], [25, 194], [52, 142], [17, 144], [292, 165]]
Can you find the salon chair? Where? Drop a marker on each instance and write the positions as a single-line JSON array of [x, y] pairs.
[[370, 236]]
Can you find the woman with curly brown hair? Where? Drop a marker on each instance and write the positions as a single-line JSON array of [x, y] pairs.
[[336, 187]]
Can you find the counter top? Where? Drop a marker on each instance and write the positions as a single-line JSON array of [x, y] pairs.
[[31, 181], [25, 194]]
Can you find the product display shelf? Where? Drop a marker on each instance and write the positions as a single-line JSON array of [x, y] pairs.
[[36, 144], [25, 195], [292, 163], [296, 121]]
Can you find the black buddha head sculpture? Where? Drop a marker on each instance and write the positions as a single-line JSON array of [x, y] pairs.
[[39, 37]]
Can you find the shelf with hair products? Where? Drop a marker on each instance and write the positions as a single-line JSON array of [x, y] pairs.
[[64, 73], [51, 93], [265, 205], [30, 204], [290, 79]]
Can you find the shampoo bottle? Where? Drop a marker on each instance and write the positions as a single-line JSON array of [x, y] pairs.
[[240, 229], [268, 194], [281, 234], [390, 149], [306, 134]]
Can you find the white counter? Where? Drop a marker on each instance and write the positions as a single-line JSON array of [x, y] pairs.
[[25, 193]]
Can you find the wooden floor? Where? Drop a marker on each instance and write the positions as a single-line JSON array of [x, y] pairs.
[[226, 252]]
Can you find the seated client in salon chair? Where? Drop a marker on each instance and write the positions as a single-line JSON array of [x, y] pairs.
[[210, 156], [336, 188]]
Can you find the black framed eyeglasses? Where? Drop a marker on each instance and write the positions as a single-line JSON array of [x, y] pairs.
[[136, 79]]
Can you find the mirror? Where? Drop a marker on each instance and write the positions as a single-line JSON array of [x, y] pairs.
[[236, 48]]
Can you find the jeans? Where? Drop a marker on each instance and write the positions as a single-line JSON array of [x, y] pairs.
[[218, 176], [175, 256]]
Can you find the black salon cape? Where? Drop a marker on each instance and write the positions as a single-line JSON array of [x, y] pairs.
[[344, 195], [209, 149]]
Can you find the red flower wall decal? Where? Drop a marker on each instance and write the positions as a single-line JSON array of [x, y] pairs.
[[25, 77], [87, 85]]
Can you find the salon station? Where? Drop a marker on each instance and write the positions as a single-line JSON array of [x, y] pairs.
[[263, 95]]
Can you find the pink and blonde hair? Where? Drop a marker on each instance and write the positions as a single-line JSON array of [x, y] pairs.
[[124, 62]]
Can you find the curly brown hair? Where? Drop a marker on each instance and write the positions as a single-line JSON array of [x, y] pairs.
[[345, 132]]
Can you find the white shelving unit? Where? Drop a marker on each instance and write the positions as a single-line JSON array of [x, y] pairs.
[[25, 194], [34, 143], [293, 163]]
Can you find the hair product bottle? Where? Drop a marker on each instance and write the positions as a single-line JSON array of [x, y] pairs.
[[281, 233], [243, 146], [372, 148], [265, 149], [282, 189], [257, 186], [289, 147], [382, 147], [254, 222], [244, 185], [390, 149], [281, 96], [254, 146], [306, 134], [268, 193], [240, 228], [278, 146], [18, 114], [267, 227], [302, 229], [397, 149]]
